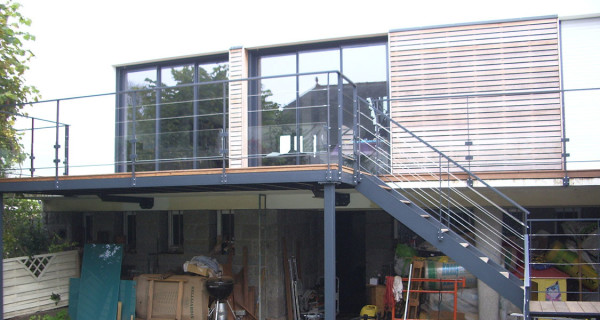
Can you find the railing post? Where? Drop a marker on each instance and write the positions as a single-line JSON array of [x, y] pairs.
[[31, 156], [526, 275], [378, 144], [297, 129], [564, 140], [468, 143], [441, 212], [224, 135], [157, 122], [66, 161], [356, 132], [195, 121], [329, 126], [56, 142], [133, 156], [340, 124]]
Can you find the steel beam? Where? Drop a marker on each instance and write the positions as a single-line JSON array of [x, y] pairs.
[[83, 186]]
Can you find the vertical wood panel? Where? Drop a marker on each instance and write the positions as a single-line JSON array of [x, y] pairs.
[[238, 108], [506, 132]]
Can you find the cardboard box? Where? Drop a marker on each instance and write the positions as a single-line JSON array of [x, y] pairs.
[[376, 296], [203, 271], [167, 300]]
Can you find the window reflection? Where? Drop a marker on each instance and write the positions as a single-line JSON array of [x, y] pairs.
[[176, 129], [173, 125], [289, 124], [139, 79]]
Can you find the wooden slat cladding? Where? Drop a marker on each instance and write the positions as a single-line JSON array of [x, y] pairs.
[[456, 88], [238, 109]]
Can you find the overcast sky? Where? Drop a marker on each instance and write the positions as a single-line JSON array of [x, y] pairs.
[[79, 41]]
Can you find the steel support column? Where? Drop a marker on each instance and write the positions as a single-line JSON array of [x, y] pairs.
[[329, 235]]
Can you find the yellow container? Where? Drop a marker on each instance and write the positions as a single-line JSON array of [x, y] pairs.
[[368, 311], [551, 289]]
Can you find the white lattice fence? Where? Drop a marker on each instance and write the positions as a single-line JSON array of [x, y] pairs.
[[30, 281]]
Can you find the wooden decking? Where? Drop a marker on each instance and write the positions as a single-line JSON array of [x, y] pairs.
[[216, 179], [168, 173], [574, 309]]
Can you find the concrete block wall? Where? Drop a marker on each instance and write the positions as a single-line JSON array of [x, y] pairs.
[[263, 232], [199, 232], [65, 224], [258, 230], [379, 242]]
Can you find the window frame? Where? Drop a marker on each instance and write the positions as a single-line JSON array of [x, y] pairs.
[[254, 88], [173, 244], [122, 155]]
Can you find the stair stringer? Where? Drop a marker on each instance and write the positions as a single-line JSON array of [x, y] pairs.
[[447, 241]]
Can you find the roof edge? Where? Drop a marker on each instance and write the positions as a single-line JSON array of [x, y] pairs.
[[317, 41], [473, 23], [169, 59], [579, 16]]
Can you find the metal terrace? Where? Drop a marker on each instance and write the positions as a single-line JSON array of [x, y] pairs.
[[187, 138]]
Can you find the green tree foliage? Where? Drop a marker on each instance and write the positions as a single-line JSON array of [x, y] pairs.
[[24, 233], [13, 91]]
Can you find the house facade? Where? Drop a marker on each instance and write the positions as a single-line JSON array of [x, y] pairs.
[[475, 141]]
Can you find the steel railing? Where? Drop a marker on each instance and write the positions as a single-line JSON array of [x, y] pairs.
[[187, 126], [565, 256], [467, 205]]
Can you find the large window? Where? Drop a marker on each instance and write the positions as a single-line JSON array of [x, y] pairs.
[[289, 113], [580, 48], [171, 116]]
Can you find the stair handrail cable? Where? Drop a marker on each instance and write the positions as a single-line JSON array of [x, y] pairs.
[[512, 202], [433, 202]]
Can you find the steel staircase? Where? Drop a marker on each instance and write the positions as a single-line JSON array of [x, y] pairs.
[[446, 240], [441, 201]]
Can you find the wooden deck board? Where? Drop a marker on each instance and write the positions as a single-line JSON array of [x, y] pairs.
[[547, 306], [560, 306], [537, 174], [142, 174], [535, 306], [588, 307], [564, 308], [596, 306]]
